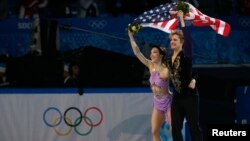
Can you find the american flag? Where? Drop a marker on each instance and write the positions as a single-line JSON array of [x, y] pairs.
[[164, 18]]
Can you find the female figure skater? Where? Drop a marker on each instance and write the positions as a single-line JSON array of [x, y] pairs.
[[159, 79]]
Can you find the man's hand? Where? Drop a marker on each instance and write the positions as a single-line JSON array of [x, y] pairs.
[[192, 84], [180, 14]]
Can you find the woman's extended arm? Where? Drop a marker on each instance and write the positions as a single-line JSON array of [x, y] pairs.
[[137, 51]]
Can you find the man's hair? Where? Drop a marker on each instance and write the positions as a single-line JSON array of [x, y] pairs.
[[179, 33]]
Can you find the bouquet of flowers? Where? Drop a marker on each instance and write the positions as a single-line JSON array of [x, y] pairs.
[[134, 27], [184, 7]]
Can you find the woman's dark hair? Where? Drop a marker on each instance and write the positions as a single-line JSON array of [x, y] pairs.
[[162, 51]]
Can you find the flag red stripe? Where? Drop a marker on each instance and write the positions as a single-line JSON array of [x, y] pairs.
[[164, 24], [216, 24], [174, 25]]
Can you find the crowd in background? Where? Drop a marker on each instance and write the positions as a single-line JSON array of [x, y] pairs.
[[28, 9], [93, 8]]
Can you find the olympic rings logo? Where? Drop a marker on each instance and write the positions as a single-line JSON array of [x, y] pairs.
[[97, 24], [53, 118], [244, 22]]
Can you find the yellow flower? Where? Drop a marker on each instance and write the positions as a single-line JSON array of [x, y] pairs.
[[134, 28]]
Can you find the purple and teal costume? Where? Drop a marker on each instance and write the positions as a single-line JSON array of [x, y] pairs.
[[161, 102]]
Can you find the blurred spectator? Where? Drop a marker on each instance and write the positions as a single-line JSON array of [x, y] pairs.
[[116, 7], [30, 8], [244, 7], [88, 8], [65, 72], [235, 7], [35, 46], [224, 7], [2, 75], [193, 2], [72, 78], [58, 9], [3, 9]]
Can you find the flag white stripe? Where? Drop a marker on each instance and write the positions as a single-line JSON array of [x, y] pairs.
[[166, 28], [156, 27], [221, 28]]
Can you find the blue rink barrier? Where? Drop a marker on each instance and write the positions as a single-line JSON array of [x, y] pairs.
[[166, 133]]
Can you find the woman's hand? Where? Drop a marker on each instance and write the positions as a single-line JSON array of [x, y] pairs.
[[130, 33]]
